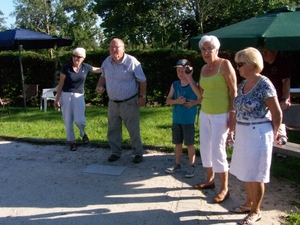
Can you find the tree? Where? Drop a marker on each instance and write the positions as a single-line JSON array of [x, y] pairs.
[[68, 18], [81, 22], [140, 23], [2, 22], [154, 23]]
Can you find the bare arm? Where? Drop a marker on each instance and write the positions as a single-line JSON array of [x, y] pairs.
[[273, 105], [142, 93], [286, 87], [100, 85], [143, 88], [171, 101], [230, 78], [194, 86], [96, 70], [62, 78], [285, 104]]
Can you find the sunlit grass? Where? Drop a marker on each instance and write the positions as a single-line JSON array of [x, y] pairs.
[[293, 218], [155, 124]]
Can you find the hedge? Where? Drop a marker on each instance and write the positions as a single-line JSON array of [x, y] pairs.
[[38, 68]]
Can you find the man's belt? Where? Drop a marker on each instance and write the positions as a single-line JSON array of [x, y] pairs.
[[125, 100]]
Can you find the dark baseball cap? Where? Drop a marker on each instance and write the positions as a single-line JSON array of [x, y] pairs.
[[183, 63]]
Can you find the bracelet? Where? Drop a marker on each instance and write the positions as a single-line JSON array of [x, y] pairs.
[[231, 133], [233, 111]]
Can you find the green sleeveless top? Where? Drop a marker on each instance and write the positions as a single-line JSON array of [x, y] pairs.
[[215, 94]]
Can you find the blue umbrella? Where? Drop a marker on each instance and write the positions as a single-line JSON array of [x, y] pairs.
[[16, 39]]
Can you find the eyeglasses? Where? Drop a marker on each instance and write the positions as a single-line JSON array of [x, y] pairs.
[[210, 49], [77, 56], [240, 64]]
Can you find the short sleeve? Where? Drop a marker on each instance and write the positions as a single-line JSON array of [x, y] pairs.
[[268, 89]]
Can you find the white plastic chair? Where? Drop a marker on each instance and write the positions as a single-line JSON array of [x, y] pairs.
[[47, 94]]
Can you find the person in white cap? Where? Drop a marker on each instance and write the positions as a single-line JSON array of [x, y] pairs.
[[70, 95]]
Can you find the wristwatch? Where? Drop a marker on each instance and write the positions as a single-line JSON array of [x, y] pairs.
[[142, 96]]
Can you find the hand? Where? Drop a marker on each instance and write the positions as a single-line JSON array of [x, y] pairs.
[[181, 100], [100, 89], [189, 103], [277, 138], [188, 69], [56, 104], [141, 101], [230, 139], [284, 105], [189, 75]]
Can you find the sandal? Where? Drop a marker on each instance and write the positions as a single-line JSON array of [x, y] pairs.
[[204, 186], [240, 209], [85, 139], [219, 198], [249, 220], [73, 146]]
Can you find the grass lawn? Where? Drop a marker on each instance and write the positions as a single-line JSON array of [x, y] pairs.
[[155, 123]]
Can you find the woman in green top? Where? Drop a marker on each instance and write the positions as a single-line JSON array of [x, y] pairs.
[[218, 88]]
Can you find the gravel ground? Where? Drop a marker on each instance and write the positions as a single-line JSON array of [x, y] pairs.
[[48, 184]]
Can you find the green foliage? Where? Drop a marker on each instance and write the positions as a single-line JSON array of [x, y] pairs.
[[143, 24], [37, 69], [293, 218], [82, 21], [73, 19], [158, 66], [2, 22]]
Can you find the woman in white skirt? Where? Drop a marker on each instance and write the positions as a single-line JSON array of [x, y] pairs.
[[258, 117]]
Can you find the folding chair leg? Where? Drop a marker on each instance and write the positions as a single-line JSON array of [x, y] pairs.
[[8, 110], [2, 111], [45, 105]]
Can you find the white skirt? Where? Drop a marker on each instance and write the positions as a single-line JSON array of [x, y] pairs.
[[252, 152]]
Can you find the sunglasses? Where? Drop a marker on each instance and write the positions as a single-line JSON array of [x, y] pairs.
[[240, 64], [77, 56]]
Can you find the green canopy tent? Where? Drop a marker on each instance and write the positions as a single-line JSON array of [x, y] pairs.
[[279, 29]]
